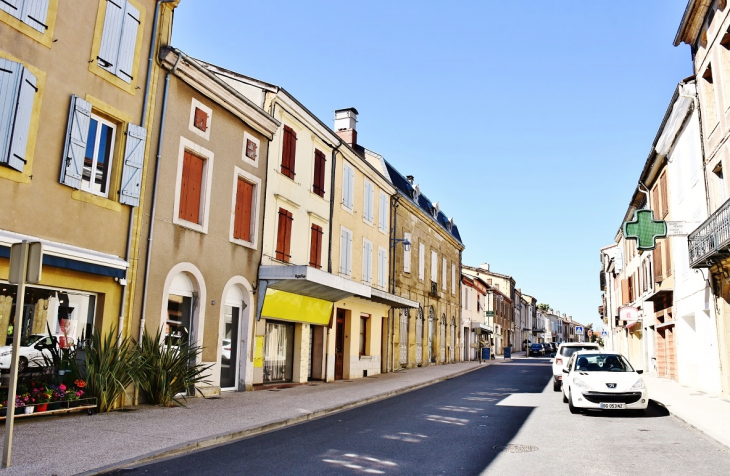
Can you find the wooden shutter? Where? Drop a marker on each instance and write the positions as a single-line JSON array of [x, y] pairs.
[[133, 163], [663, 190], [288, 156], [658, 275], [13, 7], [668, 256], [34, 14], [77, 133], [625, 292], [315, 247], [242, 217], [111, 35], [200, 119], [17, 94], [191, 188], [128, 43], [319, 172], [655, 205], [251, 149], [283, 240]]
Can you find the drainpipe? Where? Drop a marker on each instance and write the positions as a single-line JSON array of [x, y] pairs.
[[332, 204], [130, 228], [151, 232], [393, 266]]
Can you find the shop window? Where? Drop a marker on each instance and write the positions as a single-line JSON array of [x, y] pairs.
[[178, 326], [278, 352], [364, 319]]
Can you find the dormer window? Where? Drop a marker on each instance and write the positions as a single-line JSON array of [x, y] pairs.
[[416, 192], [435, 210]]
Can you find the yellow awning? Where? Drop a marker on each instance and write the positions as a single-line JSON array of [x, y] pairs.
[[297, 308]]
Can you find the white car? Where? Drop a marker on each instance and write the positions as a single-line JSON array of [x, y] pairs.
[[560, 361], [603, 381], [32, 351]]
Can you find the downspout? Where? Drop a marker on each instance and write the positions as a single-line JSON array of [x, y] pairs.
[[151, 232], [393, 266], [130, 228], [332, 206]]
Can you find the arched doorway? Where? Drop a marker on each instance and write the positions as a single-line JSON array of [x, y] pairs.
[[178, 326], [419, 337], [234, 304], [404, 336]]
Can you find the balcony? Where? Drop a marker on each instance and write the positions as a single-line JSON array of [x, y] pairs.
[[711, 239], [538, 330]]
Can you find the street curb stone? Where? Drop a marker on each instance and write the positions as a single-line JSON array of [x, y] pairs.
[[228, 437]]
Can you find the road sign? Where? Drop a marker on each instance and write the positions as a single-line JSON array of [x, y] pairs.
[[578, 329], [644, 229], [604, 334], [489, 313]]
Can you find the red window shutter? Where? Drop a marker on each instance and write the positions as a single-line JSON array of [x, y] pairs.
[[668, 256], [191, 187], [665, 201], [201, 119], [283, 238], [250, 149], [315, 250], [319, 171], [288, 156], [655, 205], [244, 199]]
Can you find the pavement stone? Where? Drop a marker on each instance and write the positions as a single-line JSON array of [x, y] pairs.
[[708, 413], [77, 443]]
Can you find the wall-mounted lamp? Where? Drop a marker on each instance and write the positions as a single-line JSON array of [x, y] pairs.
[[406, 243]]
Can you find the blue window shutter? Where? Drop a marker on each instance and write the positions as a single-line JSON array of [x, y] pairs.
[[76, 136], [34, 13], [133, 162], [10, 74], [14, 7], [111, 35], [343, 251], [21, 122], [127, 43]]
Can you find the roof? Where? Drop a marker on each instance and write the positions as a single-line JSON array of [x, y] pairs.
[[405, 188]]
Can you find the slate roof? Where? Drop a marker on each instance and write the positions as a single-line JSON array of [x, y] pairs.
[[405, 188]]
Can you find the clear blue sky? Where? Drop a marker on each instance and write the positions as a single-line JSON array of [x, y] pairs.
[[529, 122]]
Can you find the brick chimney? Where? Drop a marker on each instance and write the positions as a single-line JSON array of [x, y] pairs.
[[346, 125]]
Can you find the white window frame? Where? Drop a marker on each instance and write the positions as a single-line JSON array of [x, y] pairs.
[[348, 252], [348, 200], [383, 213], [368, 204], [367, 261], [421, 261], [110, 159], [407, 254], [187, 144], [434, 266], [453, 279], [191, 125], [443, 273], [382, 267], [244, 157], [255, 208]]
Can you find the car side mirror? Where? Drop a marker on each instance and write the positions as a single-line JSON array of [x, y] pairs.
[[552, 355], [565, 371], [639, 372]]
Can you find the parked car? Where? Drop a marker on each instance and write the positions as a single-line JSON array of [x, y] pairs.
[[603, 381], [536, 349], [563, 354], [34, 352]]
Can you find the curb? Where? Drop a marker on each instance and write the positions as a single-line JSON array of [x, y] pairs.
[[210, 441], [719, 439]]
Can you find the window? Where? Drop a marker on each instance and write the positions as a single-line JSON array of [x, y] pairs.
[[407, 254], [119, 39], [443, 274], [708, 87], [348, 185], [364, 318], [243, 210], [453, 279], [319, 172], [251, 147], [668, 256], [367, 261], [283, 236], [421, 261], [345, 251], [383, 212], [33, 13], [89, 154], [382, 267], [191, 188], [200, 118], [663, 192], [658, 274], [367, 213], [17, 94], [289, 152], [434, 266], [315, 247]]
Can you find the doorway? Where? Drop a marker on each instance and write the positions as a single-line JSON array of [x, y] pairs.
[[340, 345], [279, 352], [317, 352], [229, 347]]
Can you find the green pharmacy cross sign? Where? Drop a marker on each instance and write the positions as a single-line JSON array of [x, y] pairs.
[[644, 229]]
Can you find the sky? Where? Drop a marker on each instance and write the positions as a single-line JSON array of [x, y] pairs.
[[529, 122]]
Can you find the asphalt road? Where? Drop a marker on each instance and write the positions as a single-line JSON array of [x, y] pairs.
[[502, 419]]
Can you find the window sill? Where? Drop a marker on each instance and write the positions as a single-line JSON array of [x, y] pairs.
[[318, 197], [115, 80], [367, 222], [246, 244], [347, 209], [385, 232], [366, 357], [190, 225], [279, 172], [102, 202], [14, 175], [44, 39]]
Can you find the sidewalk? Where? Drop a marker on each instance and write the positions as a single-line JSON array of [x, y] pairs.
[[708, 413], [78, 443]]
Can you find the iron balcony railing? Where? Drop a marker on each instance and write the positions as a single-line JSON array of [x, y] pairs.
[[710, 238]]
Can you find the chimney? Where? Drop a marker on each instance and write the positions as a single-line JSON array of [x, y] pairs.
[[346, 125], [410, 178], [484, 266]]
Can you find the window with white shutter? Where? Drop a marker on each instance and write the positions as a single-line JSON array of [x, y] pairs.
[[434, 266], [18, 87], [33, 13], [77, 134], [453, 279], [348, 185], [407, 254], [421, 261], [443, 274], [383, 212], [382, 267], [345, 251], [367, 261], [119, 39], [133, 163], [368, 199]]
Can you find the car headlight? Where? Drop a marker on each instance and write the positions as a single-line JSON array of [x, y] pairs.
[[638, 386], [580, 383], [6, 353]]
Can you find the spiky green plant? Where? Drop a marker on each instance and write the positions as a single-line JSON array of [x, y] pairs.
[[109, 367], [168, 371]]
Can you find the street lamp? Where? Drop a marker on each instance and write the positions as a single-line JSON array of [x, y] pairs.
[[406, 243]]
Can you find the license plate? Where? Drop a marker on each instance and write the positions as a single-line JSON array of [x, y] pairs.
[[613, 406]]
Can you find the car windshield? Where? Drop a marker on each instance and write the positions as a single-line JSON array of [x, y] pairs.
[[30, 340], [569, 350], [602, 363], [536, 345]]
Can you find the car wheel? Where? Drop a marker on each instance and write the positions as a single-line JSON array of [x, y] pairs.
[[565, 399], [556, 385], [22, 364], [574, 410]]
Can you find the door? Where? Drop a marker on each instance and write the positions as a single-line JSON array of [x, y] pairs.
[[430, 355], [340, 345], [229, 346], [419, 338], [404, 337], [279, 352]]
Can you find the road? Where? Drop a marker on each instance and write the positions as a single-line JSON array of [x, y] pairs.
[[501, 419]]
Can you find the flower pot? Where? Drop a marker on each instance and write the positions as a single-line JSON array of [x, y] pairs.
[[41, 407], [29, 410]]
